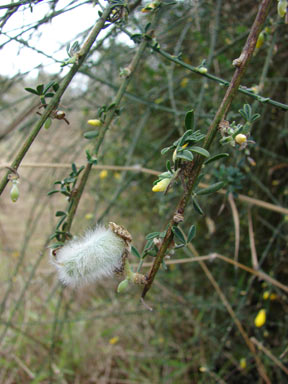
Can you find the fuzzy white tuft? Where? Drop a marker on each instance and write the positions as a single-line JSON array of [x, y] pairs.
[[82, 261]]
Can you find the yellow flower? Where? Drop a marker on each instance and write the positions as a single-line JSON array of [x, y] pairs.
[[266, 295], [260, 319], [243, 363], [161, 186], [240, 138], [117, 175], [95, 122], [103, 174], [159, 100], [260, 40], [184, 82], [273, 296], [202, 70], [149, 7], [114, 340]]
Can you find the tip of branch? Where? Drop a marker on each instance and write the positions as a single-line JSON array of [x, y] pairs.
[[146, 305]]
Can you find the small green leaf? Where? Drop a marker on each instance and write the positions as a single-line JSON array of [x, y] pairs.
[[191, 233], [255, 117], [40, 88], [184, 138], [60, 222], [200, 151], [49, 94], [168, 166], [50, 84], [197, 206], [216, 157], [61, 213], [31, 90], [55, 87], [186, 155], [152, 235], [211, 189], [189, 120], [52, 192], [74, 168], [165, 150], [56, 245], [178, 234], [148, 244], [135, 252], [247, 110], [91, 134]]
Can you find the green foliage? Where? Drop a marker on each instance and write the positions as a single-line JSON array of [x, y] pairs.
[[50, 333]]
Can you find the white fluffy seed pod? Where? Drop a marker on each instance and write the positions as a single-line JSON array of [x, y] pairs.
[[85, 260]]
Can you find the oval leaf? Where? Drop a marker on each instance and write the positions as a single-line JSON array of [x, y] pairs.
[[186, 155], [197, 207], [191, 233], [211, 189], [189, 120], [178, 234], [91, 134], [216, 157], [200, 151]]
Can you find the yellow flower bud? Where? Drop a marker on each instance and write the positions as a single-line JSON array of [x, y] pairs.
[[240, 138], [89, 216], [95, 122], [149, 7], [202, 70], [266, 295], [114, 340], [161, 186], [282, 8], [117, 175], [243, 363], [103, 174], [273, 296], [260, 40], [260, 319], [184, 82]]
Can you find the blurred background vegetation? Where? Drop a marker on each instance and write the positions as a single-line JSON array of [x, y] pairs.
[[95, 335]]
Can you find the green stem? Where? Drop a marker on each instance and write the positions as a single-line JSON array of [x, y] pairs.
[[225, 83], [109, 118], [56, 99], [195, 167]]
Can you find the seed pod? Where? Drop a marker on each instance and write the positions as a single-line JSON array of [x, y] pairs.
[[99, 253], [14, 193], [48, 123], [122, 287]]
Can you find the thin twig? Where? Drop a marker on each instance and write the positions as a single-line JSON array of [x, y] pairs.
[[250, 345], [236, 221], [261, 347], [254, 257]]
